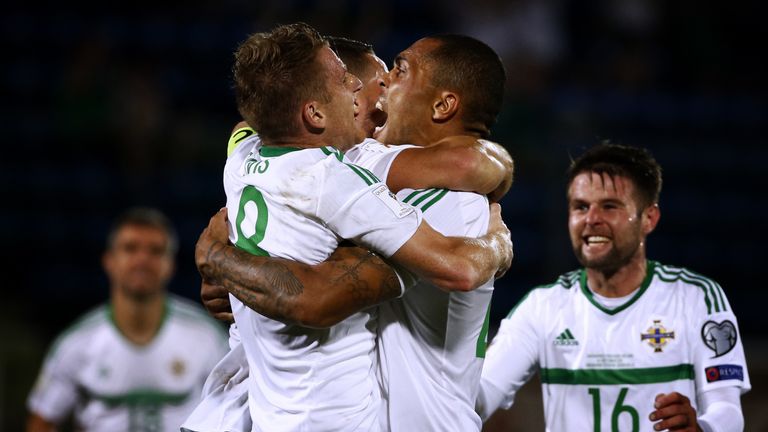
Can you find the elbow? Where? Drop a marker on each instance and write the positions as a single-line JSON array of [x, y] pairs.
[[460, 277]]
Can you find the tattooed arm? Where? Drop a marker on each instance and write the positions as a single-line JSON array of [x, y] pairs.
[[321, 295]]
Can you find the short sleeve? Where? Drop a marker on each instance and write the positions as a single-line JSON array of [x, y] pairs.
[[55, 392], [357, 206], [375, 156], [718, 353]]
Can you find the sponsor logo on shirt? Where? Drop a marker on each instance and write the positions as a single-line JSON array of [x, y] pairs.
[[657, 336], [719, 337], [400, 209], [724, 372], [566, 339]]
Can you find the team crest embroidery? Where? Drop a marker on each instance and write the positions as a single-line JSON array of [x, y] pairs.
[[178, 367], [719, 337], [657, 336]]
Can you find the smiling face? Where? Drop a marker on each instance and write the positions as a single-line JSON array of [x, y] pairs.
[[606, 225], [409, 96]]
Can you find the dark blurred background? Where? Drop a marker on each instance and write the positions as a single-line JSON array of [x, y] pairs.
[[108, 106]]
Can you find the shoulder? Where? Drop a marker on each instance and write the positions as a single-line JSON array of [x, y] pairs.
[[550, 294], [192, 315], [82, 329], [695, 287]]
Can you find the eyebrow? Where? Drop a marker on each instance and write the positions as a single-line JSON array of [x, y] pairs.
[[400, 58]]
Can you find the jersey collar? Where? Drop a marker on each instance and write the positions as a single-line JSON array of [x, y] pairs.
[[650, 265]]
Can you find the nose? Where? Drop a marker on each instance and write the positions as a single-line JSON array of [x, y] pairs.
[[593, 215]]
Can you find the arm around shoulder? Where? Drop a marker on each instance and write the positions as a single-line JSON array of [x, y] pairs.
[[461, 163], [458, 263]]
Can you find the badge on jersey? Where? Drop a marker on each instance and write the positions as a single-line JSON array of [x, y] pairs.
[[400, 209], [724, 372], [719, 337], [178, 367], [657, 336]]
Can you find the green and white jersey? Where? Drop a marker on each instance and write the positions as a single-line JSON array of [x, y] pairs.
[[601, 367], [299, 204], [432, 343], [112, 384]]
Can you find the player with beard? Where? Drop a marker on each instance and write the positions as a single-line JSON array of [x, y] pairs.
[[137, 363], [626, 343]]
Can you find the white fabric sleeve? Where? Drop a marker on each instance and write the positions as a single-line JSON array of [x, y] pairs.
[[55, 392], [357, 206], [512, 358], [718, 354], [375, 156], [720, 410]]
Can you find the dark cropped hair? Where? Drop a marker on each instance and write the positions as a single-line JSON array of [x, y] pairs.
[[472, 69], [275, 73], [145, 217], [352, 53], [636, 164]]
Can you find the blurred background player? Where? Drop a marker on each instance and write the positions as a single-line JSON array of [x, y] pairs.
[[625, 343], [138, 362]]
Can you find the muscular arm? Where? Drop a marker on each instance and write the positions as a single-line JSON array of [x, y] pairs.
[[458, 263], [320, 295], [459, 163], [352, 279]]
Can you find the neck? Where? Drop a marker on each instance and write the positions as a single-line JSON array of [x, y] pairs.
[[618, 283], [138, 319], [433, 134], [303, 141]]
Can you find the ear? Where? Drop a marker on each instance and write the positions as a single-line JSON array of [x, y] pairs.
[[312, 115], [650, 216], [445, 107]]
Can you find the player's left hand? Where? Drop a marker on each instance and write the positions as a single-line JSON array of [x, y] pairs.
[[674, 412]]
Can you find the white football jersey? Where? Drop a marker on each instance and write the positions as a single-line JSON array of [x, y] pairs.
[[112, 384], [601, 368], [299, 204], [432, 343]]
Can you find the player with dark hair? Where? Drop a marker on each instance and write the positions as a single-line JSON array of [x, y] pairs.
[[626, 343], [138, 362]]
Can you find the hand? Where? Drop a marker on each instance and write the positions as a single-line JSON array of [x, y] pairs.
[[216, 301], [496, 225], [213, 237], [675, 412], [501, 156]]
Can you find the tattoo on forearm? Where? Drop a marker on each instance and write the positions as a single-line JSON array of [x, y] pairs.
[[372, 290], [264, 288]]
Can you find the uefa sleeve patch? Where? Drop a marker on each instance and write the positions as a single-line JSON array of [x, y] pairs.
[[719, 337], [724, 372], [400, 209]]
